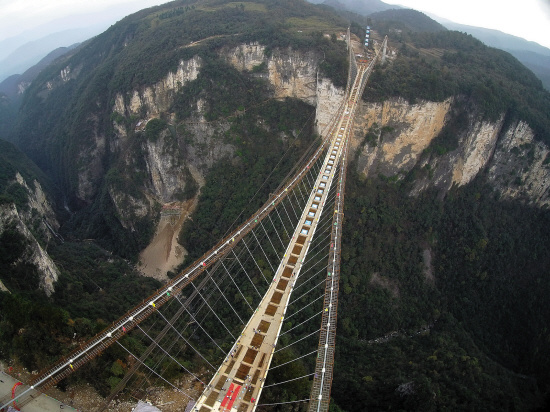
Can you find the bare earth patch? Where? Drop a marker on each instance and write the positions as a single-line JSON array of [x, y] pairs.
[[386, 283], [164, 253], [428, 267]]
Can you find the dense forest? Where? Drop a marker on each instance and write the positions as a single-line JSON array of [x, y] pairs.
[[459, 330], [443, 297]]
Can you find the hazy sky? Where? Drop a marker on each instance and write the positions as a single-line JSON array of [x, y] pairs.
[[17, 16], [529, 19]]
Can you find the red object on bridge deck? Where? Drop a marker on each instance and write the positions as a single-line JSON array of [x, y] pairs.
[[230, 396]]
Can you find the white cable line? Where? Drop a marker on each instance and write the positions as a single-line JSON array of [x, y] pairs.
[[199, 325], [223, 294], [276, 232], [202, 304], [318, 245], [290, 380], [215, 314], [144, 364], [282, 221], [299, 340], [270, 242], [304, 199], [185, 340], [240, 292], [300, 204], [271, 172], [301, 323], [246, 273], [293, 360], [304, 294], [262, 249], [259, 268], [282, 403], [312, 276], [171, 357], [291, 206], [295, 200], [291, 221], [303, 307], [309, 178]]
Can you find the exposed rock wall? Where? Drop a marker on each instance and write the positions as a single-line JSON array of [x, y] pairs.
[[517, 165], [520, 167], [292, 74], [34, 253], [175, 157], [158, 97], [414, 127], [38, 214]]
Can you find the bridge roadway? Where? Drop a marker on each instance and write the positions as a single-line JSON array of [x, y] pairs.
[[238, 383]]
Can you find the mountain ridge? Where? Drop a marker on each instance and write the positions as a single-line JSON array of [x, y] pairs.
[[446, 191]]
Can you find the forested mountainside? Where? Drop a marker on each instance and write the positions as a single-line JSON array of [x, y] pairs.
[[172, 64], [446, 251]]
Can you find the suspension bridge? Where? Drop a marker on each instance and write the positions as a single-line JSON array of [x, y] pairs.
[[248, 304]]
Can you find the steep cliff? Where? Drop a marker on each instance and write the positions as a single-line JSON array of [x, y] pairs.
[[174, 160], [291, 73], [406, 134], [33, 253], [28, 223]]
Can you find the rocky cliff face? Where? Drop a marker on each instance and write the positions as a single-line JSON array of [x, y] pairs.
[[152, 100], [515, 163], [292, 74], [181, 156], [38, 215]]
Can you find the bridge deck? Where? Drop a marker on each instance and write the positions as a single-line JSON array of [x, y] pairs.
[[239, 381]]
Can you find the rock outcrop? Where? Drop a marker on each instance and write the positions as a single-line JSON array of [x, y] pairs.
[[516, 165], [34, 253], [292, 74], [183, 157]]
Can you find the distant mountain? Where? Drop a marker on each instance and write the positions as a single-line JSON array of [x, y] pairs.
[[537, 63], [409, 19], [531, 54], [31, 53], [496, 38], [13, 85], [102, 19], [364, 7]]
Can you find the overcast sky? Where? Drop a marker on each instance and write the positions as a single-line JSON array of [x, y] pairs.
[[529, 19], [18, 16]]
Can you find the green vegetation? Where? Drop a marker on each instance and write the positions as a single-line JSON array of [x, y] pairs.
[[433, 311], [12, 161], [482, 328], [8, 112], [67, 127], [404, 19], [491, 80], [15, 272], [154, 128], [94, 288], [235, 189]]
